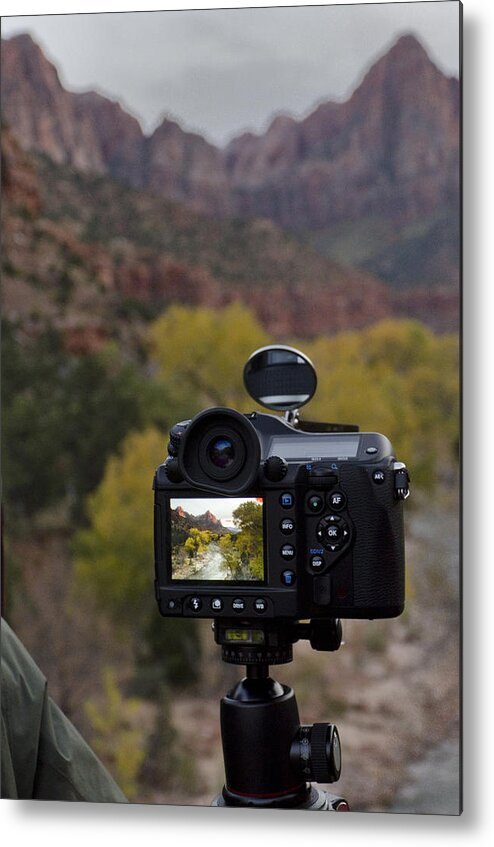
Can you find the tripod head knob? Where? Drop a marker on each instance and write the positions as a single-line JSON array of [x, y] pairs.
[[323, 633], [316, 752]]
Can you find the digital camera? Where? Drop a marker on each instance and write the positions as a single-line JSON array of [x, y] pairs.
[[259, 516]]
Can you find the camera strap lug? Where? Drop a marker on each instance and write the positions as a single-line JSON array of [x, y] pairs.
[[402, 479]]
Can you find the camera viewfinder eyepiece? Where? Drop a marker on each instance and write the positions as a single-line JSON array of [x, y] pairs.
[[220, 451]]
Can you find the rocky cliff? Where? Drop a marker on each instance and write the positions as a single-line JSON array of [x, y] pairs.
[[391, 149], [87, 131], [371, 183]]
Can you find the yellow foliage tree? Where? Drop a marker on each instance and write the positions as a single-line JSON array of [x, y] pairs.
[[116, 734], [115, 554], [200, 353], [398, 378]]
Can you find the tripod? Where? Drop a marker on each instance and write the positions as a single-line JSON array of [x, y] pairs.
[[270, 759]]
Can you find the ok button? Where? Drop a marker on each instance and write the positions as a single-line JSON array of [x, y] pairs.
[[333, 532], [288, 551]]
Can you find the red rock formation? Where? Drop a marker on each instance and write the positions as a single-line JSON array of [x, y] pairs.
[[185, 167], [20, 185], [391, 149], [87, 131], [439, 308]]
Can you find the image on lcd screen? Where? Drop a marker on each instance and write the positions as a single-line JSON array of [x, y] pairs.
[[217, 539]]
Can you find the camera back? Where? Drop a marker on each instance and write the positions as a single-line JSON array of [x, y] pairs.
[[258, 519]]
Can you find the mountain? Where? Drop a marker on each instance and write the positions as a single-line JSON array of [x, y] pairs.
[[183, 521], [95, 135], [88, 131], [98, 259], [392, 149], [368, 188]]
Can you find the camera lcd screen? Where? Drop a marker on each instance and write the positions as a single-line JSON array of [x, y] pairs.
[[217, 539], [315, 446]]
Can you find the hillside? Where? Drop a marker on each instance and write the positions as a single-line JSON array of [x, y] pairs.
[[99, 258]]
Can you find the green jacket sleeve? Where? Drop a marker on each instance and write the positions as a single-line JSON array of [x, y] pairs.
[[42, 755]]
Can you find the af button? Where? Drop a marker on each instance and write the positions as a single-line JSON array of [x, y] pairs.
[[336, 500]]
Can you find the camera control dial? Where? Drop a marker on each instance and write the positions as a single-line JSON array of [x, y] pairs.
[[275, 468]]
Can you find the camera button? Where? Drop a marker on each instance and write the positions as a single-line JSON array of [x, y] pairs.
[[287, 551], [288, 578], [216, 604], [337, 500], [286, 500], [238, 605], [379, 477], [287, 526], [333, 533], [260, 605], [195, 603], [317, 563], [315, 503]]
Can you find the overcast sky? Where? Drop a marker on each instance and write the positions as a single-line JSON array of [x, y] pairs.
[[223, 71]]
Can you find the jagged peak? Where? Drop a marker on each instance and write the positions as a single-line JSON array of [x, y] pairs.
[[405, 52], [25, 44], [407, 42], [22, 38]]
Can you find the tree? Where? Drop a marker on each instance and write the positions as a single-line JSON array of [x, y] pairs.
[[198, 541], [200, 353], [250, 544], [114, 562], [62, 415], [115, 554], [399, 378], [117, 734], [243, 552]]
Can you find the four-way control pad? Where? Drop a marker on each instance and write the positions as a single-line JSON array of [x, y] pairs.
[[333, 532]]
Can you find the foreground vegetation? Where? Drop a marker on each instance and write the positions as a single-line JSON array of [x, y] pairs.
[[89, 431]]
